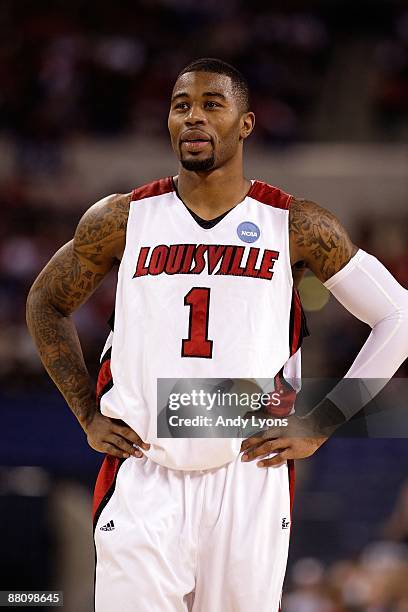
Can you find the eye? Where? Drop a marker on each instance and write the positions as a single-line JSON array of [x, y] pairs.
[[212, 104], [181, 106]]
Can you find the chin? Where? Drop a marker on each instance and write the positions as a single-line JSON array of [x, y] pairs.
[[198, 165]]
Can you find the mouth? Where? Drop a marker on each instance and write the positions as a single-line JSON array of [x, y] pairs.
[[195, 141], [195, 146]]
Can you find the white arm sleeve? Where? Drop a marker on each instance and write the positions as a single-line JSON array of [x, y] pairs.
[[367, 290]]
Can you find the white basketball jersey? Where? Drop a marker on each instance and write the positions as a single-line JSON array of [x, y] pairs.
[[198, 303]]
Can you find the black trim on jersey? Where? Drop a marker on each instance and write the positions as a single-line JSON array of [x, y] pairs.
[[104, 390], [304, 330], [291, 325], [106, 356], [204, 223], [207, 223], [111, 320]]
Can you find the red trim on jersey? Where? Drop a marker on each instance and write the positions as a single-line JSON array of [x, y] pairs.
[[155, 188], [267, 194], [287, 397], [297, 320], [104, 377], [105, 480]]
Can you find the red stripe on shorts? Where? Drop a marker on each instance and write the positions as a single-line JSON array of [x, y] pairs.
[[104, 481], [104, 377]]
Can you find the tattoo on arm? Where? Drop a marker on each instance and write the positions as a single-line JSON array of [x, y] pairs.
[[66, 282], [318, 238]]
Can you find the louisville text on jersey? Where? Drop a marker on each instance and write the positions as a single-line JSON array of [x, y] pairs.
[[214, 259]]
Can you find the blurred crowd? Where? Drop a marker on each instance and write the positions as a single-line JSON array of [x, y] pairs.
[[390, 94], [373, 580], [64, 74], [66, 71], [30, 233], [376, 581]]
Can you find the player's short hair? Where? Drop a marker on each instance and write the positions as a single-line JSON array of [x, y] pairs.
[[239, 82]]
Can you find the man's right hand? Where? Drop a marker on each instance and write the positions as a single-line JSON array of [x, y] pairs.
[[113, 437]]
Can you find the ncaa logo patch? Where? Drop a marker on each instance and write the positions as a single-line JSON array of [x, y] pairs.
[[248, 232]]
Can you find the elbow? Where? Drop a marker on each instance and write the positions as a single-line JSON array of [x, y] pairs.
[[32, 304], [403, 322], [401, 311], [398, 320], [402, 332], [39, 304], [398, 314], [393, 327]]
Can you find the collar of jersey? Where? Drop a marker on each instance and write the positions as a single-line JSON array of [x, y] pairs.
[[183, 206]]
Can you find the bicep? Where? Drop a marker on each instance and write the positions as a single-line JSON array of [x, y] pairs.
[[319, 239], [369, 291], [76, 270], [69, 278]]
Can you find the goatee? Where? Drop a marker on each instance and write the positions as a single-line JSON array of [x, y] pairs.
[[198, 165]]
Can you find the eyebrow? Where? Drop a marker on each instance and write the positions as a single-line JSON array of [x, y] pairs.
[[208, 94]]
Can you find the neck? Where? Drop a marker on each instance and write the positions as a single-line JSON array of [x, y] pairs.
[[210, 194]]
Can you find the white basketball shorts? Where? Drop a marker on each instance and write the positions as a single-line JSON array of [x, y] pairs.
[[198, 541]]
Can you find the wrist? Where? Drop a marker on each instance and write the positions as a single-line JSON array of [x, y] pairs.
[[85, 414], [323, 420]]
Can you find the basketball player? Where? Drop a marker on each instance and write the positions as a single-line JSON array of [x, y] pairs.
[[205, 290]]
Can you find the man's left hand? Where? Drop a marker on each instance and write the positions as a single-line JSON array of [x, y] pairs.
[[295, 441]]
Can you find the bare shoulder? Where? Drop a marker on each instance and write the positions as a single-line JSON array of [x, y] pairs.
[[318, 238], [78, 267], [102, 229]]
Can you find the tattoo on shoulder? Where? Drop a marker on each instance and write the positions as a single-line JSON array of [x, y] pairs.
[[63, 285], [78, 267], [103, 228], [318, 238]]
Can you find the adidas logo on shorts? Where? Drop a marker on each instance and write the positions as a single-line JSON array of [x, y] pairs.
[[285, 523], [108, 527]]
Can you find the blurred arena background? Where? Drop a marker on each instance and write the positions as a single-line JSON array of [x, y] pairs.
[[84, 90]]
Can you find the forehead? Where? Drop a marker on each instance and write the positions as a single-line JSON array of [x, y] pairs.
[[200, 83]]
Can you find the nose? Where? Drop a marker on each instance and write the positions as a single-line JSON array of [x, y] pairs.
[[195, 116]]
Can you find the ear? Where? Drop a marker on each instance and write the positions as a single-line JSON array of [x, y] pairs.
[[247, 125]]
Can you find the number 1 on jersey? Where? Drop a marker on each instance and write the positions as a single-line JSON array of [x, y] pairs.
[[197, 344]]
